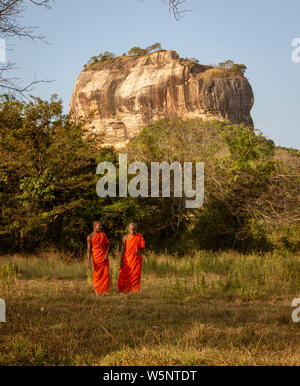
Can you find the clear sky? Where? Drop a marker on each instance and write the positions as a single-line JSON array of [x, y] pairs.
[[258, 33]]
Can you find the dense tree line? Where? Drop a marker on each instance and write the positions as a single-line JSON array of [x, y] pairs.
[[48, 185]]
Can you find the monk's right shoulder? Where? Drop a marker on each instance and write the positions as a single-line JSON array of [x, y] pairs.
[[89, 237]]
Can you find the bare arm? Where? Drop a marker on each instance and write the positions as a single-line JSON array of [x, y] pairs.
[[107, 251], [89, 250], [122, 252], [141, 247]]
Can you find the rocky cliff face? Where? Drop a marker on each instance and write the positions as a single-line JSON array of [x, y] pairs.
[[123, 95]]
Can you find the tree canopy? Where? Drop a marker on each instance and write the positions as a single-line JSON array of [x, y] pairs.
[[48, 184]]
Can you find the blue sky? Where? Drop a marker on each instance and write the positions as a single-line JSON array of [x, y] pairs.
[[258, 33]]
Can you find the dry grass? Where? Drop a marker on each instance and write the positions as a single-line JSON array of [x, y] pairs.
[[53, 317]]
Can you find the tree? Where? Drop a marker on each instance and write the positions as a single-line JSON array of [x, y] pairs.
[[11, 12], [249, 193], [170, 141], [48, 181], [45, 169], [101, 57], [239, 68], [107, 55], [234, 67], [137, 51], [153, 47], [228, 64]]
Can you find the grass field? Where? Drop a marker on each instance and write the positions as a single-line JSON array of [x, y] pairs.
[[212, 309]]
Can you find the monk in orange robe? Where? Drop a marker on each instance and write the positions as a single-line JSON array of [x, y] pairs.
[[98, 246], [131, 261]]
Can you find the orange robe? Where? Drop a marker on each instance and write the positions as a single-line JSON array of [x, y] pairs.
[[130, 275], [101, 278]]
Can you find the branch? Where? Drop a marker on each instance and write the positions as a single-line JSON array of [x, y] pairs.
[[174, 7], [11, 11], [12, 85]]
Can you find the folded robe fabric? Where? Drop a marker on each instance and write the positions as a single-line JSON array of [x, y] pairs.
[[101, 278], [130, 275]]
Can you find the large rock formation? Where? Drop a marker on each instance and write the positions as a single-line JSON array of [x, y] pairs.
[[123, 95]]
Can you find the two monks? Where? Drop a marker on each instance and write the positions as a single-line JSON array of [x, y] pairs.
[[130, 268]]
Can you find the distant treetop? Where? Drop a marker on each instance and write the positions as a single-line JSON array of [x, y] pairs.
[[138, 51], [230, 65], [134, 51], [101, 57]]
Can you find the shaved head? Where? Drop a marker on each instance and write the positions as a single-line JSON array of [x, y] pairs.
[[97, 225], [132, 227]]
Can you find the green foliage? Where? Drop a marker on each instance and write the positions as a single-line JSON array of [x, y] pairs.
[[101, 58], [243, 200], [45, 169], [48, 185], [134, 51], [227, 64], [137, 51], [48, 181], [233, 67], [239, 68], [154, 47]]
